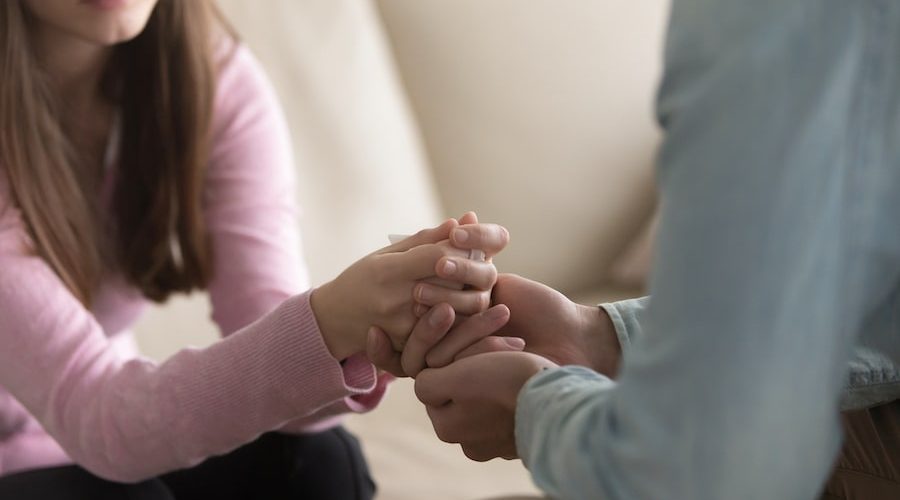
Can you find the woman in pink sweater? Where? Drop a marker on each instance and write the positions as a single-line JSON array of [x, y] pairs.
[[143, 153]]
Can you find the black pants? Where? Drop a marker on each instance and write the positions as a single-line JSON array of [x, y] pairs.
[[327, 465]]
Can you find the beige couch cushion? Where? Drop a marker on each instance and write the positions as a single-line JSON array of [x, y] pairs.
[[361, 168]]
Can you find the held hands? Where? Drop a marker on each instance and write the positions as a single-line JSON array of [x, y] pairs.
[[550, 325], [379, 289], [475, 365], [475, 370]]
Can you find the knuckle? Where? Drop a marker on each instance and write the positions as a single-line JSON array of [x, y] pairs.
[[435, 359], [492, 275], [383, 271], [494, 344], [482, 301], [383, 305], [444, 432], [464, 269], [410, 367], [419, 388], [475, 454], [504, 235]]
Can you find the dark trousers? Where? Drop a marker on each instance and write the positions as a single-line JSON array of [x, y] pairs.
[[327, 465]]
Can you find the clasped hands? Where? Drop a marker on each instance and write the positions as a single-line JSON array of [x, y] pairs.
[[472, 350]]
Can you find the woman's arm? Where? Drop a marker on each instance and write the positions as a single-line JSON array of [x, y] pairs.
[[252, 218], [129, 419], [251, 213]]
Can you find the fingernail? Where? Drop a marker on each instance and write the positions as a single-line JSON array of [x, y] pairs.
[[515, 342], [438, 316], [460, 235], [449, 267], [422, 293], [495, 313]]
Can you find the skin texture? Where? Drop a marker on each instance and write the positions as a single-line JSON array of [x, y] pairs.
[[92, 22], [554, 327], [473, 400], [470, 336]]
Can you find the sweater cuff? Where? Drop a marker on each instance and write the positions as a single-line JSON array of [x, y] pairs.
[[302, 364]]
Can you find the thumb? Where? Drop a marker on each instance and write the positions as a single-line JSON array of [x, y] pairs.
[[381, 353]]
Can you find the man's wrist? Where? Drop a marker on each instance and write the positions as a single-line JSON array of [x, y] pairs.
[[601, 344]]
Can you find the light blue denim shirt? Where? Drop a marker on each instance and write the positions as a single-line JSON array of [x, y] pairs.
[[778, 263]]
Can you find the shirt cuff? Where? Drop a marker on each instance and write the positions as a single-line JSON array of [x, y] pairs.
[[546, 395], [619, 325]]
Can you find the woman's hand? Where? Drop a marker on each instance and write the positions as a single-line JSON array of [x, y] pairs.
[[379, 289], [455, 339], [468, 237]]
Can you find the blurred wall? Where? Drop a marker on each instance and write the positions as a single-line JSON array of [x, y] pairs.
[[538, 113]]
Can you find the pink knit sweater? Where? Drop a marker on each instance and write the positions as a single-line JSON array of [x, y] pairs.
[[72, 386]]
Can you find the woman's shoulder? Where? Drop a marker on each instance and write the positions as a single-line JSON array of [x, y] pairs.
[[243, 91], [235, 63]]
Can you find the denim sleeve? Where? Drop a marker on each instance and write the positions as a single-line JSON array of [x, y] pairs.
[[627, 317], [873, 376], [774, 246]]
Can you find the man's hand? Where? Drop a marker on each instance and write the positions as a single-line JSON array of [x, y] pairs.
[[473, 400], [555, 327], [471, 335]]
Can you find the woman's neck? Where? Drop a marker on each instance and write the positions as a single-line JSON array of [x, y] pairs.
[[75, 67]]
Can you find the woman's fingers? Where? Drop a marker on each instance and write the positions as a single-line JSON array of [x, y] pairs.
[[490, 238], [428, 331], [419, 262], [477, 274], [465, 302], [467, 333]]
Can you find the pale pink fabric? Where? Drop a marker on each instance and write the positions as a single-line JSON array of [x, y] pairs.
[[72, 386]]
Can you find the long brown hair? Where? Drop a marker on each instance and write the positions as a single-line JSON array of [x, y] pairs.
[[163, 83]]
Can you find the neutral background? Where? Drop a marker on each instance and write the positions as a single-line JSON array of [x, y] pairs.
[[535, 113]]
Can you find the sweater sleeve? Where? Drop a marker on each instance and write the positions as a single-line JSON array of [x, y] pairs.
[[127, 419], [251, 213]]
